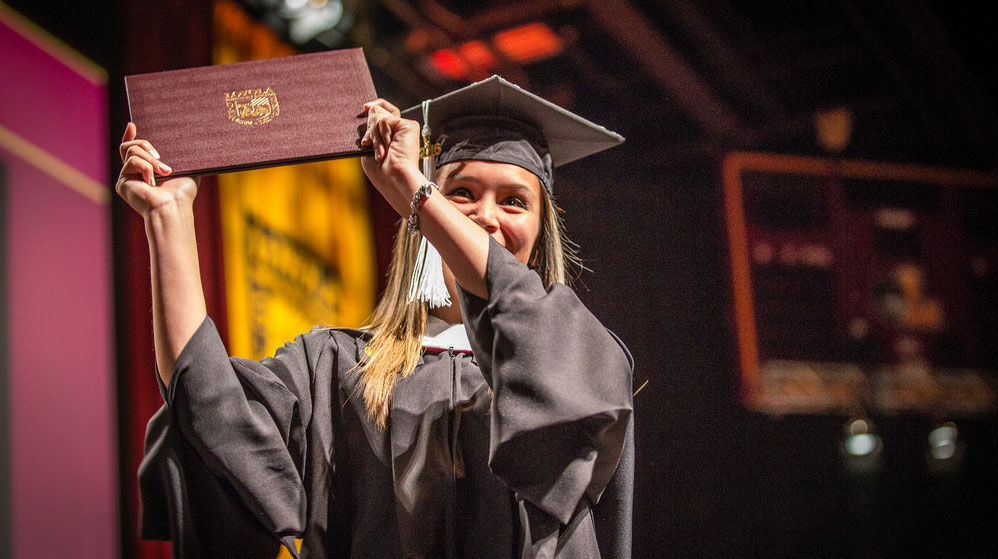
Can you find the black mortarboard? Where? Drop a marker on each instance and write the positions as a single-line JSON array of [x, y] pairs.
[[495, 120]]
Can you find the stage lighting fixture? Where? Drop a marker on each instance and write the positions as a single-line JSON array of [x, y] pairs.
[[528, 43], [310, 24], [861, 446], [945, 451]]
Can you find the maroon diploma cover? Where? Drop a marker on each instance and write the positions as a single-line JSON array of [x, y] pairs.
[[248, 115]]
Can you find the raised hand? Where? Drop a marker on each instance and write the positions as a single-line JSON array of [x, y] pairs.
[[167, 209], [137, 183], [394, 168]]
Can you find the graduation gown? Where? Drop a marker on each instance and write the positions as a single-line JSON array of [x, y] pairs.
[[522, 447]]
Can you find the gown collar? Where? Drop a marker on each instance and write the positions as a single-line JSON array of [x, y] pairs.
[[442, 336]]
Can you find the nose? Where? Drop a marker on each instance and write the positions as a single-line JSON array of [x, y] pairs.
[[485, 216]]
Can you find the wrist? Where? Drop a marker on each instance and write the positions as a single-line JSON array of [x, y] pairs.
[[167, 217], [418, 197], [408, 181], [412, 178]]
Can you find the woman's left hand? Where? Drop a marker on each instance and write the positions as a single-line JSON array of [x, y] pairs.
[[394, 168]]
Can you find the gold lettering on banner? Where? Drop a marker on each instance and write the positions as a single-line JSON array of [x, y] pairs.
[[252, 106], [283, 273]]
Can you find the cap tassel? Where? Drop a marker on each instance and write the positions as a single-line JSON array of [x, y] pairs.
[[427, 282]]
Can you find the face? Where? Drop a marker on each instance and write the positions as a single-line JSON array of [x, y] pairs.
[[503, 199]]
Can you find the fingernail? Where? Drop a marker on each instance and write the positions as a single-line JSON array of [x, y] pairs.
[[154, 153], [164, 168]]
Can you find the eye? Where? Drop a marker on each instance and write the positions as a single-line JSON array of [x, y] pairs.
[[515, 201], [460, 192]]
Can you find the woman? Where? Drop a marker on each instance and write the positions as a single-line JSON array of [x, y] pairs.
[[416, 437]]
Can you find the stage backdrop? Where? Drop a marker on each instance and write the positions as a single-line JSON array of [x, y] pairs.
[[58, 468], [297, 240]]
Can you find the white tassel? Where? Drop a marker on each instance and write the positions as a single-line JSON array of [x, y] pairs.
[[427, 282]]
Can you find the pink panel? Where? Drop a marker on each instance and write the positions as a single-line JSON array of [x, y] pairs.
[[53, 106], [61, 383]]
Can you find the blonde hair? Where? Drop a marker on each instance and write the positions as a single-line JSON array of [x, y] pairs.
[[398, 325]]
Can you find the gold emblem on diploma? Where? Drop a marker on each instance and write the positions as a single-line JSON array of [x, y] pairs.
[[252, 106]]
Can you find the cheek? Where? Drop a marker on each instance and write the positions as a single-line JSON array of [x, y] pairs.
[[522, 236]]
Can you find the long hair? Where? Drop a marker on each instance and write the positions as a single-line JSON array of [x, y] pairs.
[[398, 325]]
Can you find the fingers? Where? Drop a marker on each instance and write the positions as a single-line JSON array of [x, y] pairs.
[[139, 162], [137, 150], [375, 113], [144, 144], [374, 136], [378, 110], [139, 166], [384, 105], [366, 140], [129, 133], [385, 138], [140, 158], [128, 140]]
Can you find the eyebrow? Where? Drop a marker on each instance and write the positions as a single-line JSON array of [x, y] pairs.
[[472, 178]]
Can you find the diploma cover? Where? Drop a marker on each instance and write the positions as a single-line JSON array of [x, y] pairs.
[[248, 115]]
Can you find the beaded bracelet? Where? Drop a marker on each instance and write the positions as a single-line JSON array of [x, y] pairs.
[[421, 194]]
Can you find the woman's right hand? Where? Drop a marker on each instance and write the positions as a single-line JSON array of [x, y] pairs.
[[137, 180], [178, 306]]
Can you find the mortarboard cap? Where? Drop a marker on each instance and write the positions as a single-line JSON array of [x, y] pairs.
[[495, 120]]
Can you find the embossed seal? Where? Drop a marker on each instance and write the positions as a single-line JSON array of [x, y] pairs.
[[252, 106]]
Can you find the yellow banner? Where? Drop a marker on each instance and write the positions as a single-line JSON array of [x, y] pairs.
[[297, 240]]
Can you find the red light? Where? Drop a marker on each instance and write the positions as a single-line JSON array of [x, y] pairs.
[[449, 64], [472, 60], [477, 55], [528, 43]]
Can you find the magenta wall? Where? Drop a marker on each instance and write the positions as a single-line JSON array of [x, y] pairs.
[[60, 385]]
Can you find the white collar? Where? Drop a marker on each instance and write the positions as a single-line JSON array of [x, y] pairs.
[[442, 335]]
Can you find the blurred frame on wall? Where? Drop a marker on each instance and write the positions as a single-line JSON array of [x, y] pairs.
[[863, 287]]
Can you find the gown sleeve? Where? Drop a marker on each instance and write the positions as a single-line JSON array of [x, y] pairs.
[[561, 389], [241, 421]]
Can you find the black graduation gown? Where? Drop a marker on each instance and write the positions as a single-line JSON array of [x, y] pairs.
[[524, 449]]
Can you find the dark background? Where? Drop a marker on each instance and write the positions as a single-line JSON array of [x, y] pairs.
[[685, 82]]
